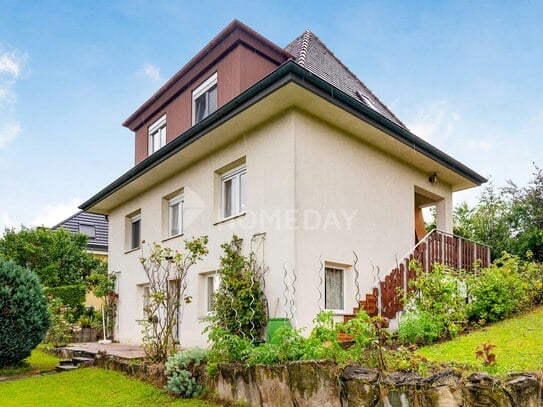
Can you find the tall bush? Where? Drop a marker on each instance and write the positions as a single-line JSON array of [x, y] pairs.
[[440, 294], [240, 303], [72, 296], [24, 317], [504, 288]]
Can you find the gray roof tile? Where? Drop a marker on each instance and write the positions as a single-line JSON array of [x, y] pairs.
[[86, 221], [311, 53]]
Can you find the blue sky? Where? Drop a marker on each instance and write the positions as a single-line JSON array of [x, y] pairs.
[[466, 76]]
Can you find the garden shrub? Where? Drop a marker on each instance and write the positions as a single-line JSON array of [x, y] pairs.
[[72, 296], [499, 291], [240, 303], [419, 328], [180, 372], [60, 331], [440, 293], [228, 347], [24, 317]]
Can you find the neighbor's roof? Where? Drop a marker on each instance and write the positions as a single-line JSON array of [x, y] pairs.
[[312, 54], [85, 222]]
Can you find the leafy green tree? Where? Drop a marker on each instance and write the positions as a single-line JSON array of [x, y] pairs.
[[508, 219], [58, 257], [24, 317], [488, 222], [526, 217]]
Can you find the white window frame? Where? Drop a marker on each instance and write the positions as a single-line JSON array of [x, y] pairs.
[[180, 200], [157, 130], [201, 90], [82, 226], [133, 219], [145, 299], [215, 279], [343, 286], [238, 199]]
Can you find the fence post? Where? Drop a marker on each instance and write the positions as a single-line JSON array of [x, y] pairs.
[[459, 254]]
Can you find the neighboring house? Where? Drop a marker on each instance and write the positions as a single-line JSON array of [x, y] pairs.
[[289, 150], [95, 227]]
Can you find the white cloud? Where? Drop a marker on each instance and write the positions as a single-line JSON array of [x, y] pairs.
[[152, 72], [9, 132], [435, 122], [52, 214], [11, 66], [6, 222], [11, 63]]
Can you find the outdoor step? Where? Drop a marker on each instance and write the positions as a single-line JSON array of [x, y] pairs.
[[65, 368], [347, 318], [65, 362], [82, 361]]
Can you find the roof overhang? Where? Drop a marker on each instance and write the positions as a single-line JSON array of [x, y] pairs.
[[289, 86]]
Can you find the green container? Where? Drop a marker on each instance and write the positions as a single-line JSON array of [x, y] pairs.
[[273, 325]]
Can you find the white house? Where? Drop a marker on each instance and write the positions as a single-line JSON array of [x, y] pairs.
[[288, 149]]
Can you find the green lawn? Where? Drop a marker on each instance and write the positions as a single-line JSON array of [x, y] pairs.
[[37, 362], [87, 387], [519, 345]]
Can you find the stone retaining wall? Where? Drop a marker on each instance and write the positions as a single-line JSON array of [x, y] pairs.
[[150, 373], [322, 383]]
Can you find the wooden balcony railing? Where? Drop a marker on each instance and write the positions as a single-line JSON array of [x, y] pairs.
[[436, 247]]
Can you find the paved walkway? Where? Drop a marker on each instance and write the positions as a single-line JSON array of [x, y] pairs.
[[115, 349]]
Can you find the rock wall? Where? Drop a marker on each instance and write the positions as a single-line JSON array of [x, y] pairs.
[[322, 383]]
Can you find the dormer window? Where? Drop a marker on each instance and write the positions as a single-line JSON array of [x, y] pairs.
[[88, 230], [204, 99], [157, 135]]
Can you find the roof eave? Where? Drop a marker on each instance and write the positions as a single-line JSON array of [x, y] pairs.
[[285, 73]]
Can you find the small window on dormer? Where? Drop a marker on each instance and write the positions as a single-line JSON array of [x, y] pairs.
[[88, 230], [157, 135], [204, 99]]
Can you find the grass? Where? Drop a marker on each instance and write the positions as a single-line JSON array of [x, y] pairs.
[[518, 345], [88, 387], [37, 362]]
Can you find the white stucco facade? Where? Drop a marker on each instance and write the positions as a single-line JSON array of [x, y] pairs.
[[315, 192]]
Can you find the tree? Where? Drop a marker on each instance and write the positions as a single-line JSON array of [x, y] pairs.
[[509, 219], [526, 217], [58, 257], [167, 273], [488, 222], [24, 317]]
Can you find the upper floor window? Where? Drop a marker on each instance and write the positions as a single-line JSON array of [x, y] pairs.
[[134, 231], [175, 215], [157, 135], [233, 191], [204, 99]]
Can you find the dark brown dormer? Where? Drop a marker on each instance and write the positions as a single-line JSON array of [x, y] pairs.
[[233, 61]]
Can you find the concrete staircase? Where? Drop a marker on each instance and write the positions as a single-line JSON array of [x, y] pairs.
[[74, 363]]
